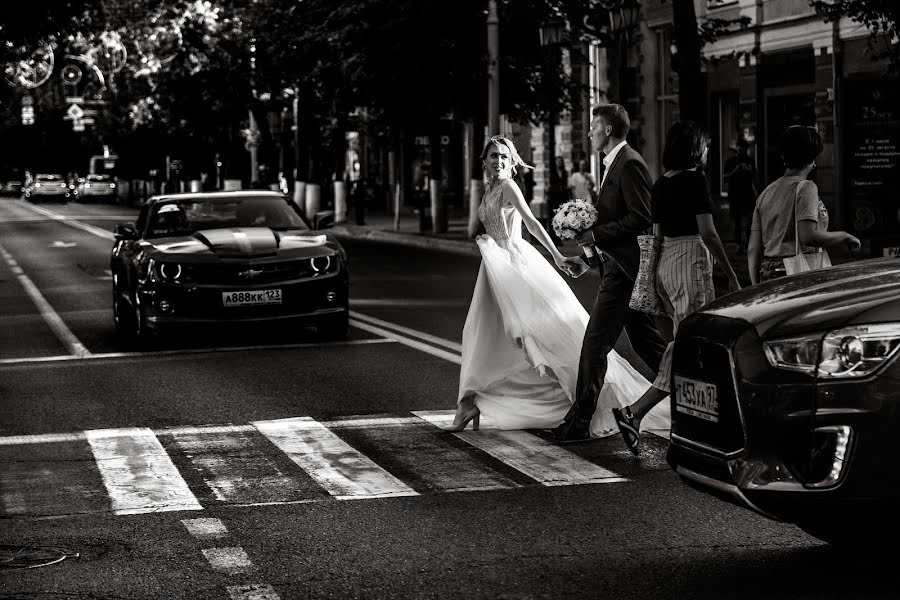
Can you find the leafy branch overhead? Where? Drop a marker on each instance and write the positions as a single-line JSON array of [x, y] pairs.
[[881, 18]]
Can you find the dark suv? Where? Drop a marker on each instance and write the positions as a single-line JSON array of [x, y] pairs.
[[786, 400]]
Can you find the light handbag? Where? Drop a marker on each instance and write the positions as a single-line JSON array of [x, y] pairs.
[[644, 297], [804, 261]]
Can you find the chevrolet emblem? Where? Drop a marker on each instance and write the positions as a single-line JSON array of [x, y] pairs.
[[250, 273]]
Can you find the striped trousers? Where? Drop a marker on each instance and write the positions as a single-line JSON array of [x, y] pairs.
[[684, 279]]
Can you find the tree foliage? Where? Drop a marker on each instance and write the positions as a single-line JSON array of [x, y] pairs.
[[879, 16]]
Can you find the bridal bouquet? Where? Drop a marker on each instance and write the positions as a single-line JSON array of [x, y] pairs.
[[573, 217]]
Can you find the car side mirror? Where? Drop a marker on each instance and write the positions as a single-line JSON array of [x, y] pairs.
[[323, 219], [126, 231]]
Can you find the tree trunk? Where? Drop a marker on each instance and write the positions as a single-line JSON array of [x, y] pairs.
[[691, 87]]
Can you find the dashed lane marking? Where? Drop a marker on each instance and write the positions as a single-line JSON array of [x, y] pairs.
[[53, 320]]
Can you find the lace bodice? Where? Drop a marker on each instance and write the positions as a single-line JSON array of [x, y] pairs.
[[497, 217]]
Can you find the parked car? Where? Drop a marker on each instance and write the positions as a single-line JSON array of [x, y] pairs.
[[12, 187], [786, 400], [47, 186], [215, 258], [96, 187]]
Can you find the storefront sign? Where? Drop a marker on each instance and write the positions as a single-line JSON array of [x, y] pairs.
[[872, 157]]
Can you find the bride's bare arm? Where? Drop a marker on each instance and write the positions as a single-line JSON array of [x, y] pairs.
[[512, 192]]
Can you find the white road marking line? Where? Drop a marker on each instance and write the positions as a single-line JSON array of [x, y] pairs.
[[138, 474], [187, 351], [232, 561], [205, 528], [56, 324], [420, 302], [454, 358], [71, 222], [252, 591], [449, 344], [340, 469], [42, 438], [541, 460]]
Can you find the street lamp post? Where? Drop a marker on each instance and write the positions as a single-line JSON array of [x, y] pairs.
[[493, 24], [552, 32]]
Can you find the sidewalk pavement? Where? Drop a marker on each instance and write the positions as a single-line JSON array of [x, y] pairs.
[[380, 226]]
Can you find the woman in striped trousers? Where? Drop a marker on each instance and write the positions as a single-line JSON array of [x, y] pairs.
[[682, 214]]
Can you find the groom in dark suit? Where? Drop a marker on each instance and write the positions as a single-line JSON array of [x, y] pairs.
[[623, 207]]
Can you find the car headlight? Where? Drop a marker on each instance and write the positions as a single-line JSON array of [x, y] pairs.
[[324, 264], [169, 271], [854, 351]]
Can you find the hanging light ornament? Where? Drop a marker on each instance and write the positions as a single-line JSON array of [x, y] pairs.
[[32, 71]]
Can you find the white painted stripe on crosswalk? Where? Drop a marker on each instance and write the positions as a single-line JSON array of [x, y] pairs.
[[205, 528], [541, 460], [232, 561], [252, 591], [138, 474], [41, 438], [427, 337], [189, 351], [454, 358], [364, 422], [340, 469]]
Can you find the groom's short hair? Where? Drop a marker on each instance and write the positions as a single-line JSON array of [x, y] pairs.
[[616, 117]]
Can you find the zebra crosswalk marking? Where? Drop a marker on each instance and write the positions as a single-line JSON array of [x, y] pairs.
[[543, 461], [138, 474], [340, 469]]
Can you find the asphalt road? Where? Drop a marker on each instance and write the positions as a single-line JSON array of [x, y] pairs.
[[274, 465]]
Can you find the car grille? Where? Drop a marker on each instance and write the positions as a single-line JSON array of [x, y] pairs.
[[698, 357], [244, 274]]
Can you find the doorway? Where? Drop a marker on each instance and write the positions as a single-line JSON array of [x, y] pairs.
[[785, 106]]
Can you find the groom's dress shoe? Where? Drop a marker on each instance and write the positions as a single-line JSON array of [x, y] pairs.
[[556, 437]]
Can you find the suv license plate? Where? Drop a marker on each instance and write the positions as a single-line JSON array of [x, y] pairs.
[[696, 398], [253, 298]]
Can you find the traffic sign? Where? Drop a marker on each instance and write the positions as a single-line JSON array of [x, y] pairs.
[[77, 125], [74, 111]]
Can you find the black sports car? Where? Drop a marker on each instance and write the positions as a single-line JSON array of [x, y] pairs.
[[786, 400], [227, 257]]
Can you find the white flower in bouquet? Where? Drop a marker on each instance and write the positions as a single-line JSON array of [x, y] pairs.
[[573, 217]]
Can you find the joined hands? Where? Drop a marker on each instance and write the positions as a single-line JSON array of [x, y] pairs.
[[573, 266]]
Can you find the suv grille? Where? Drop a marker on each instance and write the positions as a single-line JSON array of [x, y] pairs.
[[705, 360], [249, 274]]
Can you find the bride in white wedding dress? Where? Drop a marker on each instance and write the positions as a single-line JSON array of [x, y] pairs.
[[522, 337]]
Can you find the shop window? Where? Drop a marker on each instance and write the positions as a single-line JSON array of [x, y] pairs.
[[723, 139]]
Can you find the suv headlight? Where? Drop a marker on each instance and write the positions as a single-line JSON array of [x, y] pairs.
[[849, 352]]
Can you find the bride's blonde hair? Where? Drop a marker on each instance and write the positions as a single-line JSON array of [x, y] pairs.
[[514, 158]]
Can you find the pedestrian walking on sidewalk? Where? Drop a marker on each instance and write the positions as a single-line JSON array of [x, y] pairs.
[[683, 217], [519, 362], [740, 171], [582, 184], [790, 208]]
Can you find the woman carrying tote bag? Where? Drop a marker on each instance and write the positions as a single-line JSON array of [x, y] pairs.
[[789, 218], [683, 218]]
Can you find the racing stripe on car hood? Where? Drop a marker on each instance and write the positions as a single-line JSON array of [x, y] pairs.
[[243, 241]]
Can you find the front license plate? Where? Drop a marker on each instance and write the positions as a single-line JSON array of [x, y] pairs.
[[253, 298], [696, 398]]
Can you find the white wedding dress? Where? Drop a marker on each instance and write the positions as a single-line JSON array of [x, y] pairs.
[[522, 338]]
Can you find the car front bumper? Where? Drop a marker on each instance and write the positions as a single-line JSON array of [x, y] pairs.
[[784, 445], [169, 306]]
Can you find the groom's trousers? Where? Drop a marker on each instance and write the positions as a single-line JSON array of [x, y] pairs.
[[608, 317]]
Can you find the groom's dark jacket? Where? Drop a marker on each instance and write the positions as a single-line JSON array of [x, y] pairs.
[[623, 210]]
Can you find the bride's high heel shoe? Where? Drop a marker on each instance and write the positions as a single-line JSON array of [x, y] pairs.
[[462, 419]]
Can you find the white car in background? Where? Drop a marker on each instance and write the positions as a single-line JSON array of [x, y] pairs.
[[100, 187], [47, 186]]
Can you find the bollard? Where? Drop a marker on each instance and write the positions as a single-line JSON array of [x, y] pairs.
[[340, 202], [313, 199]]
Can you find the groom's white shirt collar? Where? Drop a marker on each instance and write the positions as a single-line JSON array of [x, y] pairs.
[[609, 158]]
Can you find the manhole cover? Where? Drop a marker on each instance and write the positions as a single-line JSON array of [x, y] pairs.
[[30, 557]]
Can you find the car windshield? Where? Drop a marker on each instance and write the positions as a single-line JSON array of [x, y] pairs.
[[98, 178], [184, 217], [48, 178]]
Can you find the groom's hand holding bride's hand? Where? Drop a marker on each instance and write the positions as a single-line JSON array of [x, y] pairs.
[[574, 266]]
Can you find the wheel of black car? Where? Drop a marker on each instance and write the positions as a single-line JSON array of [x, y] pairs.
[[336, 326], [121, 313]]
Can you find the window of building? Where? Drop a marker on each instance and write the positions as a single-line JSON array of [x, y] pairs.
[[724, 135]]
